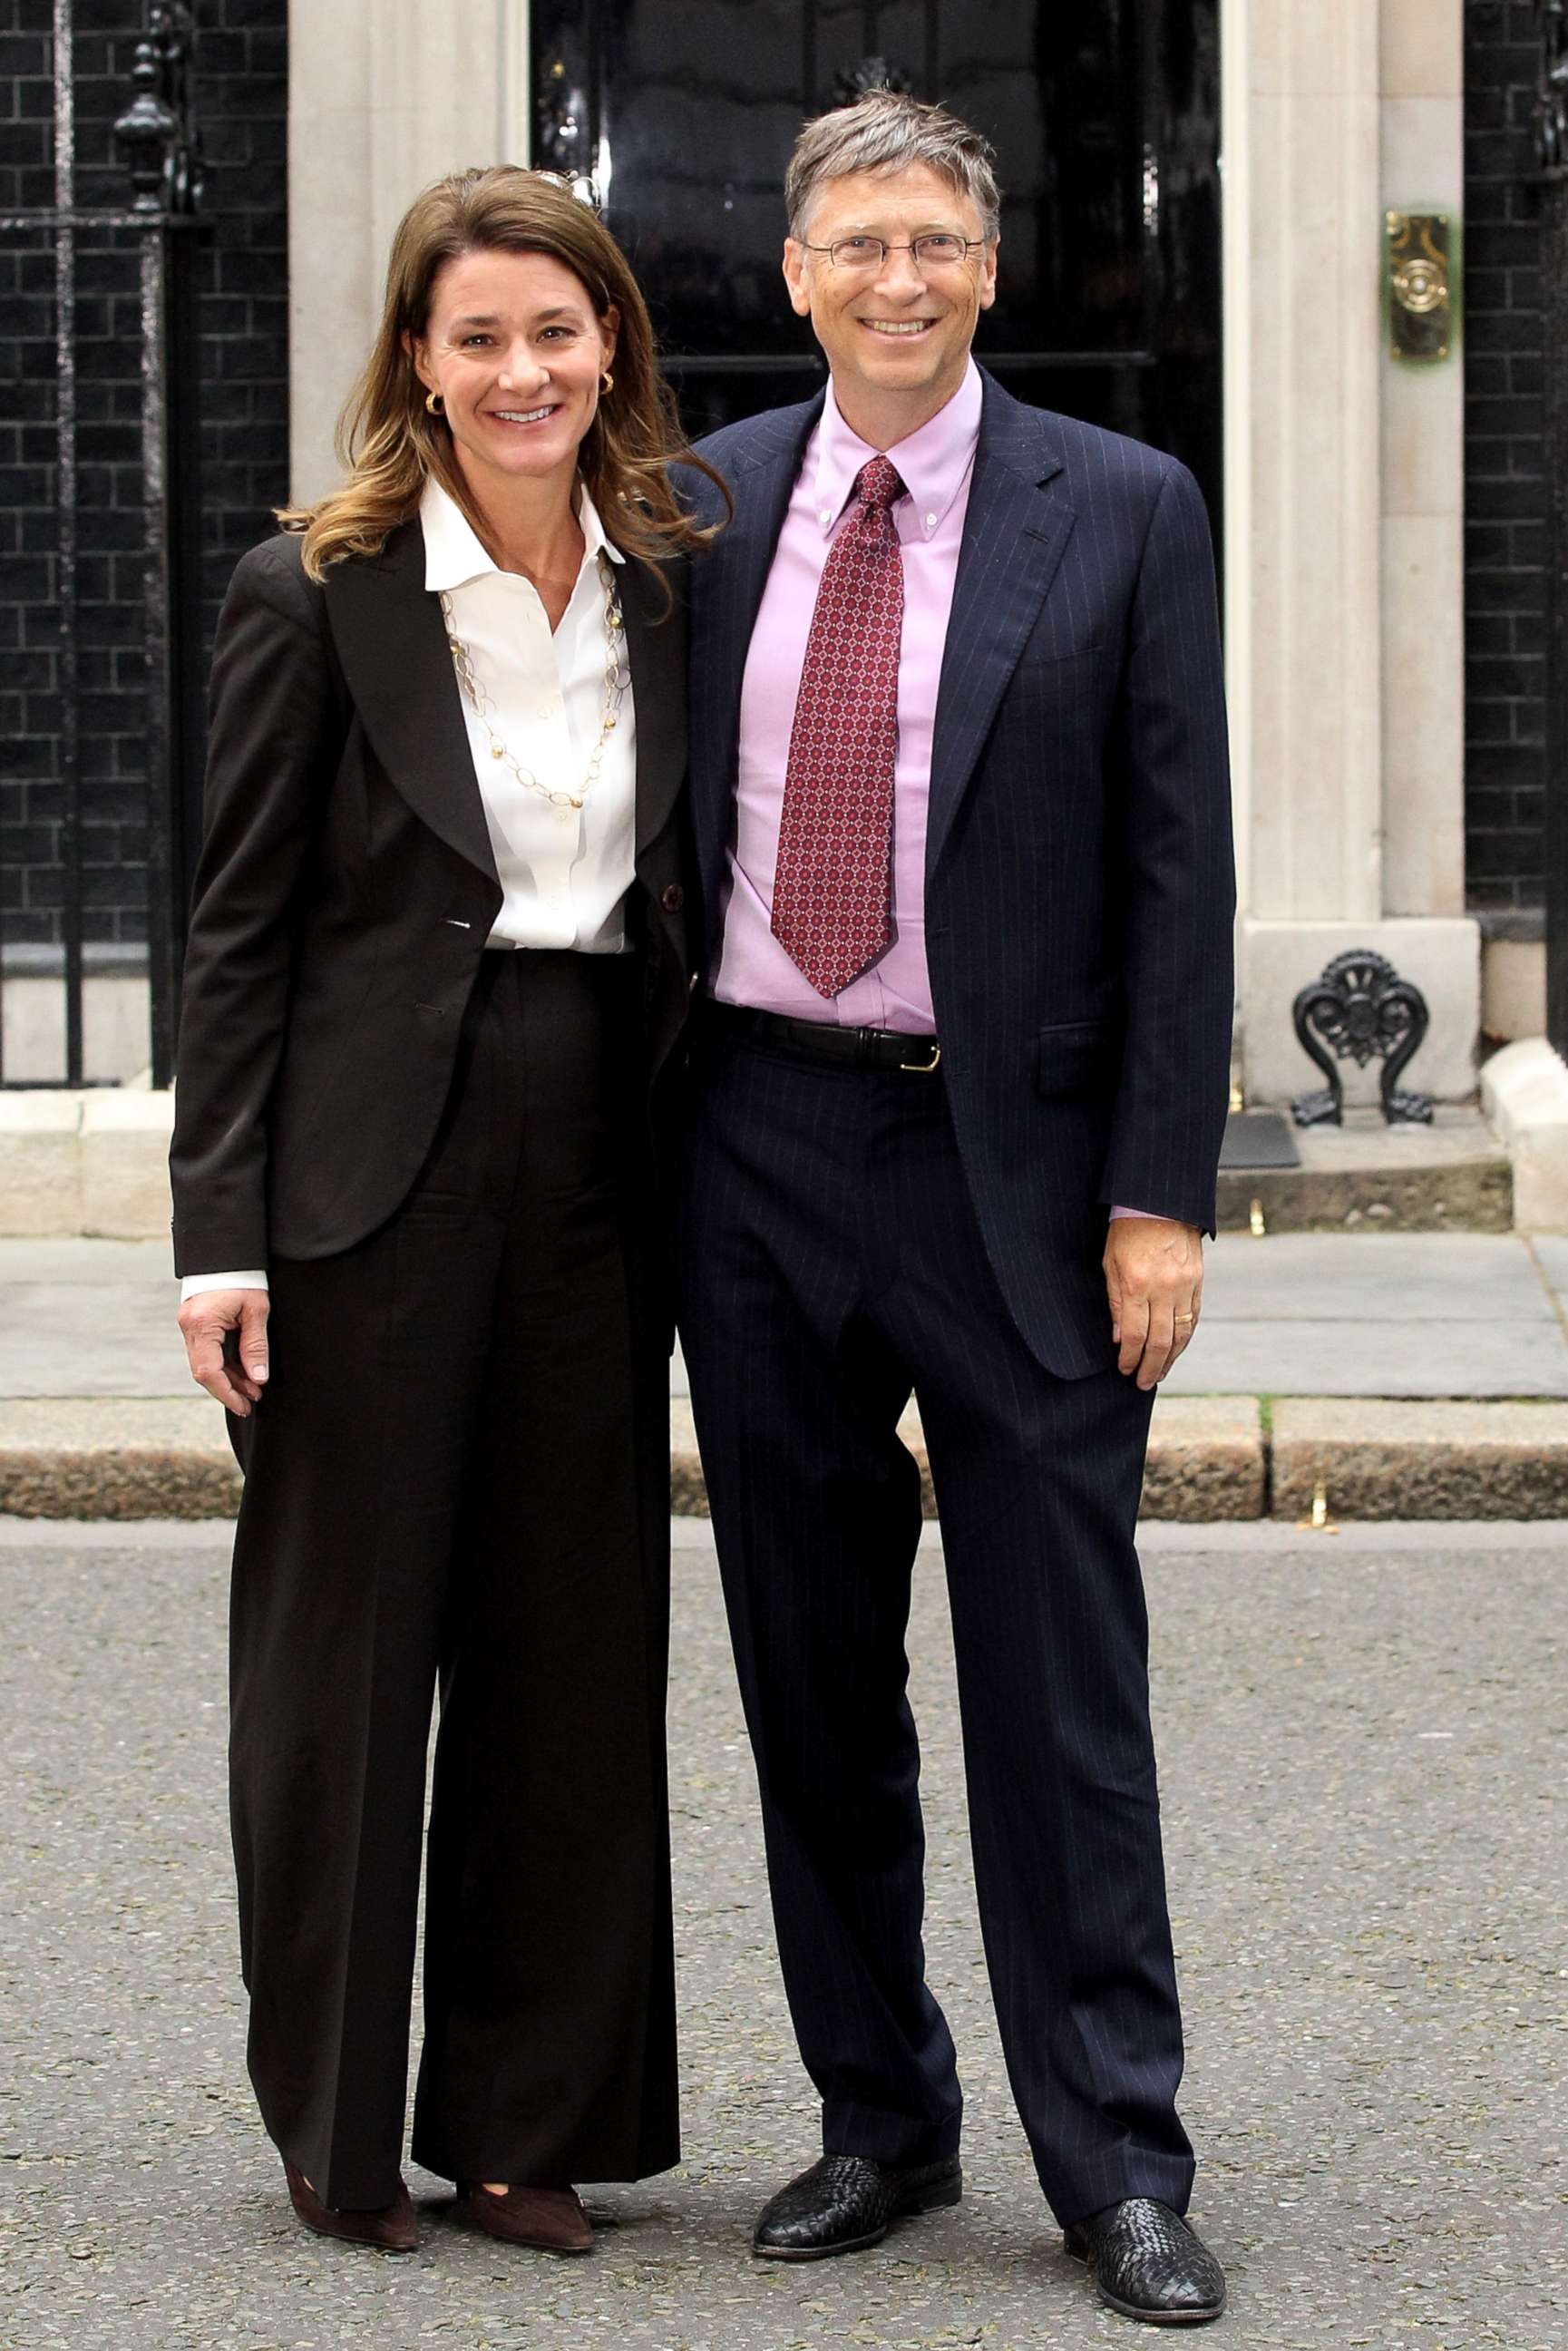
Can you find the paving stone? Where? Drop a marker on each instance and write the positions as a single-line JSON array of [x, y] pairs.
[[1373, 1277], [1376, 1358], [1551, 1253], [89, 1262], [119, 1338]]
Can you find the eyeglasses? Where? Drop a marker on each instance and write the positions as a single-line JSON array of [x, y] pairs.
[[938, 250]]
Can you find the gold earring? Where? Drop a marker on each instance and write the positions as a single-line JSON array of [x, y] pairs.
[[435, 404], [607, 382]]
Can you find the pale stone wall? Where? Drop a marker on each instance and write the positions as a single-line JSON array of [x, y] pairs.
[[1299, 214], [1514, 989], [383, 96], [1423, 577]]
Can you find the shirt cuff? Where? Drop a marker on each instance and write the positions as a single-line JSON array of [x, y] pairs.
[[1143, 1212], [192, 1284]]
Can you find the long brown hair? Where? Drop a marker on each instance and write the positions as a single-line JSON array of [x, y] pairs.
[[390, 444]]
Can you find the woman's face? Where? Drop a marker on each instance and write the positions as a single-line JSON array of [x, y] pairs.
[[513, 347]]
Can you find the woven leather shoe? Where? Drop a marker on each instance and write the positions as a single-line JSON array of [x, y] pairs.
[[845, 2203], [1147, 2264], [550, 2220], [388, 2229]]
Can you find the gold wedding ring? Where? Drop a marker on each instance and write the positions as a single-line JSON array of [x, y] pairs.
[[1183, 1318]]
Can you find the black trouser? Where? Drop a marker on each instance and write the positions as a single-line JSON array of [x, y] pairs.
[[832, 1262], [447, 1479]]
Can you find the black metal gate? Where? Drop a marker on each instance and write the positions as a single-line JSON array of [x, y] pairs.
[[1105, 116], [133, 260]]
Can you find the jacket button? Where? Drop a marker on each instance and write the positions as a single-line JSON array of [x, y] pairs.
[[674, 898]]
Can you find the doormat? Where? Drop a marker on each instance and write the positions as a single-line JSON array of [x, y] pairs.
[[1259, 1138]]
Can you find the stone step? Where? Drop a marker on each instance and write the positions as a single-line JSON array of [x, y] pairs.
[[1364, 1177], [96, 1163]]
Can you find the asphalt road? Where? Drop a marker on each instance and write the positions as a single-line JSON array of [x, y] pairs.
[[1364, 1742]]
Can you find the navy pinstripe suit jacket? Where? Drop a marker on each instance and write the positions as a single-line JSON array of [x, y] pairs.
[[1079, 882]]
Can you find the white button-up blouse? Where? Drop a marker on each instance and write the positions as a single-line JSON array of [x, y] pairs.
[[564, 872]]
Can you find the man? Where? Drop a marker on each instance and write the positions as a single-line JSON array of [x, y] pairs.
[[962, 820]]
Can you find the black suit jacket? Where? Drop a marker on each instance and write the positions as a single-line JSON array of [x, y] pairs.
[[345, 891], [1079, 884]]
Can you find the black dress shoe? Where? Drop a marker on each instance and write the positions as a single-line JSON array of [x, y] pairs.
[[845, 2202], [1147, 2264]]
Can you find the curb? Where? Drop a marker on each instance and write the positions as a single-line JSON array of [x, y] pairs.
[[1207, 1461], [1211, 1458], [116, 1457], [1377, 1459]]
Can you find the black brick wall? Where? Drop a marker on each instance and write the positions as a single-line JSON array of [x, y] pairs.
[[240, 84], [1505, 581]]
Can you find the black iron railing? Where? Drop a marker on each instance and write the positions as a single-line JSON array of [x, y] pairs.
[[158, 140], [1551, 154]]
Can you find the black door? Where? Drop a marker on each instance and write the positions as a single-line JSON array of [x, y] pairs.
[[1104, 115]]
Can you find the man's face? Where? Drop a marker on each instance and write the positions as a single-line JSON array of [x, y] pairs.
[[894, 330]]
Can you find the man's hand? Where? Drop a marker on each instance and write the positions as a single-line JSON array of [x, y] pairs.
[[206, 1319], [1154, 1280]]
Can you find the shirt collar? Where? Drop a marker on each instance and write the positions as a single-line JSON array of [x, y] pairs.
[[452, 553], [932, 463]]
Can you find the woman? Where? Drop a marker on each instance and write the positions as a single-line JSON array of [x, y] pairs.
[[435, 969]]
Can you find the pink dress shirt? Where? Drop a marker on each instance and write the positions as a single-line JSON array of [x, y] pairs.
[[936, 465]]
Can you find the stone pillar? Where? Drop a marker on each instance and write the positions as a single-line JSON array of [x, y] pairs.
[[1423, 567], [1345, 478], [383, 95]]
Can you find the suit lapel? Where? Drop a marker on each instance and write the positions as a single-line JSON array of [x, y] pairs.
[[657, 654], [391, 642], [729, 582], [1015, 532]]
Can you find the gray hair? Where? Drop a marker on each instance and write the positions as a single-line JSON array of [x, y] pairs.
[[887, 131]]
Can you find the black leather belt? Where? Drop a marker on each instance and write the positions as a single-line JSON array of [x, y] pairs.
[[821, 1041]]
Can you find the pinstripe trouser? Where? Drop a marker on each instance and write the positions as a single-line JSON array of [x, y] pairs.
[[831, 1263]]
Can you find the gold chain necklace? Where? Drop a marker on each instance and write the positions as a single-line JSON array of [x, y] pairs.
[[616, 679]]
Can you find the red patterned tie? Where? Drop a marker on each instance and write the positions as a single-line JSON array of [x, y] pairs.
[[833, 892]]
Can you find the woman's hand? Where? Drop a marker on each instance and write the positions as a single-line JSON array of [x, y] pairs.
[[1153, 1281], [236, 1375]]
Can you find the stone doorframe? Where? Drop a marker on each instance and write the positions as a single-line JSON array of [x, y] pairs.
[[1344, 475]]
